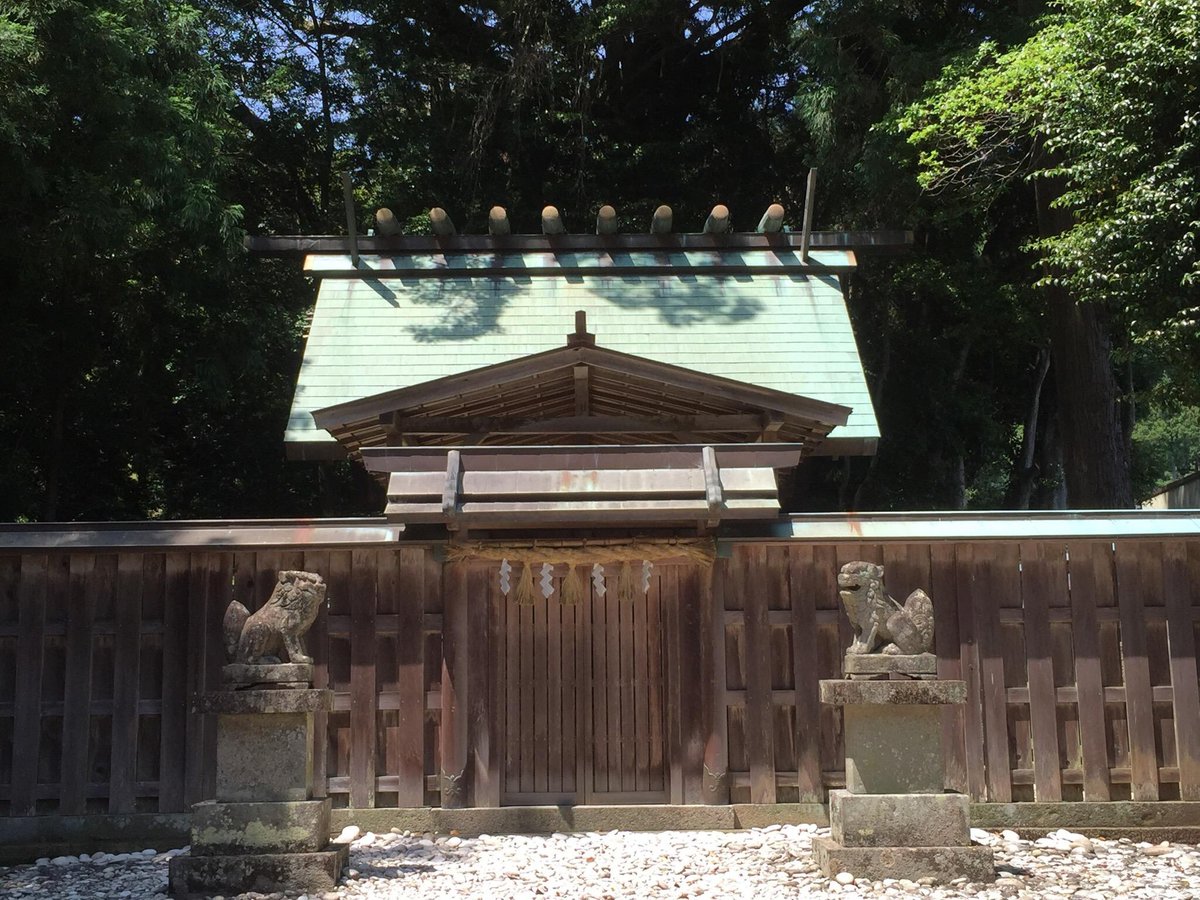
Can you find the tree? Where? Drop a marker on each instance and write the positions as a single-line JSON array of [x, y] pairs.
[[1097, 109]]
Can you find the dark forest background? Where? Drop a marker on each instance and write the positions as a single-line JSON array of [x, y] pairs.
[[1038, 348]]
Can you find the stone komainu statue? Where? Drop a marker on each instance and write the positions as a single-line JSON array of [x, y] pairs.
[[880, 623], [291, 610]]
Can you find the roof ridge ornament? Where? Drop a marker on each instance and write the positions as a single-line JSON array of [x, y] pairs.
[[581, 337]]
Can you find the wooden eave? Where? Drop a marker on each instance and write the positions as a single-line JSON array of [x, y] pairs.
[[880, 241], [579, 394], [614, 487]]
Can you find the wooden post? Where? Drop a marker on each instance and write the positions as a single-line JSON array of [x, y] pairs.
[[606, 220], [552, 222], [351, 224], [386, 223], [772, 220], [498, 221], [660, 222], [715, 683], [440, 221], [718, 220], [454, 687], [363, 695], [809, 197]]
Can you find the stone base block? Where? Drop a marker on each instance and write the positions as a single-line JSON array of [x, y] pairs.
[[899, 820], [265, 756], [242, 674], [894, 749], [221, 829], [264, 873], [885, 664], [942, 864], [843, 692]]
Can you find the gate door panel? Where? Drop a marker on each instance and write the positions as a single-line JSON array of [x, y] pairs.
[[583, 716]]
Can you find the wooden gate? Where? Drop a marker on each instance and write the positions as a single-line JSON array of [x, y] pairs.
[[583, 717]]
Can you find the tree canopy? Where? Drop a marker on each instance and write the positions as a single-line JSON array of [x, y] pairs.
[[1046, 159]]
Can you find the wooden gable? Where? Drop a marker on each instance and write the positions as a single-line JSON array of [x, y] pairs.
[[580, 394]]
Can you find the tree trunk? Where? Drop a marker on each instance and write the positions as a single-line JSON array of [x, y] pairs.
[[1095, 455]]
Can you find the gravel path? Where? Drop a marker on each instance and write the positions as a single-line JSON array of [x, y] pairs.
[[773, 862]]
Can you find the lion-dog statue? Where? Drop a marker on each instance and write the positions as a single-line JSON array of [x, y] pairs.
[[291, 610], [881, 625]]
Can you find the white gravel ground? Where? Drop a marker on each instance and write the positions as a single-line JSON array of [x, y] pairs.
[[772, 862]]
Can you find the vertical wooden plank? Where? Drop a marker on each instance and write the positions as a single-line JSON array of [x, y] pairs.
[[387, 602], [77, 699], [1139, 572], [126, 662], [716, 751], [630, 734], [219, 575], [27, 706], [598, 637], [943, 588], [196, 726], [484, 761], [755, 585], [555, 696], [363, 697], [966, 578], [1001, 579], [410, 653], [585, 747], [641, 696], [570, 719], [493, 792], [454, 687], [1181, 574], [173, 721], [616, 736], [541, 728], [1181, 571], [668, 592], [1043, 573], [696, 695], [806, 581], [512, 688], [1091, 577], [656, 652], [316, 643], [528, 685]]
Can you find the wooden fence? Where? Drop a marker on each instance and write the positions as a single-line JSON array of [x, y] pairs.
[[1079, 655]]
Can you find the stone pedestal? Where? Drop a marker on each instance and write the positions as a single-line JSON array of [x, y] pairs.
[[264, 831], [894, 820]]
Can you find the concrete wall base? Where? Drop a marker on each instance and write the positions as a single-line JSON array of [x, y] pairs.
[[24, 838]]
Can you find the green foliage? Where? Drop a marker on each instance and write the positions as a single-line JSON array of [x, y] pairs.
[[1104, 98], [152, 364]]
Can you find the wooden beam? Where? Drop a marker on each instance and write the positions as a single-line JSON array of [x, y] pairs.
[[451, 487], [606, 220], [882, 241], [582, 391], [386, 223], [772, 220], [439, 221], [660, 222], [498, 223], [809, 197], [577, 424], [351, 224], [718, 220], [771, 428], [712, 486], [552, 222]]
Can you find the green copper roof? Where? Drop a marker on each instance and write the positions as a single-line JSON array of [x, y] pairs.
[[785, 330]]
